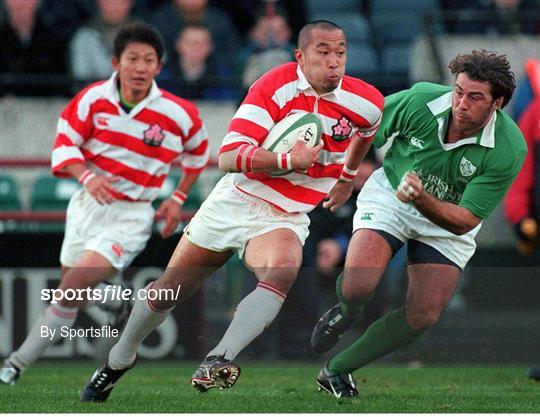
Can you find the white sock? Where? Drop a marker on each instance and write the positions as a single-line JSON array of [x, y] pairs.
[[254, 313], [53, 318], [110, 303], [143, 319]]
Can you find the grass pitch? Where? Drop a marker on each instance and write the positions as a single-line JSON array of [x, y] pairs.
[[163, 387]]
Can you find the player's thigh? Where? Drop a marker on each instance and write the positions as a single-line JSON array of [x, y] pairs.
[[368, 255], [189, 266], [430, 289]]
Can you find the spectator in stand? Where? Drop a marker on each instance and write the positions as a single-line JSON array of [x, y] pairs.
[[501, 17], [66, 17], [91, 49], [30, 56], [522, 203], [244, 13], [525, 90], [269, 46], [195, 73], [173, 16]]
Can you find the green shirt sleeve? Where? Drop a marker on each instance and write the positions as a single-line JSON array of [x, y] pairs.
[[486, 191]]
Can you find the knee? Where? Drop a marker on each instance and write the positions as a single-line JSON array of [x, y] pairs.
[[281, 272], [422, 319]]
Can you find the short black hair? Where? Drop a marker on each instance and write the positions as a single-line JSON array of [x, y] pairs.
[[486, 66], [138, 32], [304, 37]]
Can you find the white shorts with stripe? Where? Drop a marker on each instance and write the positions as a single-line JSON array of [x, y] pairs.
[[118, 231], [379, 208], [228, 219]]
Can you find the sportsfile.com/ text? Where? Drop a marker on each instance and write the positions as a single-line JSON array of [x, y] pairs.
[[111, 292]]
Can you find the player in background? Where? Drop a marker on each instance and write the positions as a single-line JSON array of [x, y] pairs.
[[522, 203], [118, 138], [453, 155], [260, 216]]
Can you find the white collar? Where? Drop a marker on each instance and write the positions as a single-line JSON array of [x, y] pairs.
[[305, 86], [110, 90]]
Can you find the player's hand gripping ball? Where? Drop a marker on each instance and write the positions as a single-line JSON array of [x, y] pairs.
[[298, 126]]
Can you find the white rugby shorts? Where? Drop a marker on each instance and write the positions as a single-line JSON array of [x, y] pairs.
[[228, 219], [377, 207], [118, 231]]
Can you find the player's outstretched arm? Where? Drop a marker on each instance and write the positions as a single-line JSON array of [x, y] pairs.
[[249, 158], [449, 216]]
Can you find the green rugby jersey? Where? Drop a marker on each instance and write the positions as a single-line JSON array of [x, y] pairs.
[[474, 172]]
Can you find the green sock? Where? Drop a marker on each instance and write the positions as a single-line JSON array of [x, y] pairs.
[[350, 310], [384, 336]]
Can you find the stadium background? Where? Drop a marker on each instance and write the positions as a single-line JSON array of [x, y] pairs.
[[497, 319]]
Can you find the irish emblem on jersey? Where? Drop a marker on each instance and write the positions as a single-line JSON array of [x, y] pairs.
[[342, 129], [466, 167], [417, 143], [154, 135]]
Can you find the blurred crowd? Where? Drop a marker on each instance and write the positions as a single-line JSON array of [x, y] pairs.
[[216, 49]]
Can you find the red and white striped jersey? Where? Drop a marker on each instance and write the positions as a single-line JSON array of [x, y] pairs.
[[138, 146], [284, 91]]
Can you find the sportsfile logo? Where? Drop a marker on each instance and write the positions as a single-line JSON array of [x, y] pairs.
[[109, 293]]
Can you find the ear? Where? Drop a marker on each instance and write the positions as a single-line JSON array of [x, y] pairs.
[[115, 63], [160, 67], [299, 55], [498, 103]]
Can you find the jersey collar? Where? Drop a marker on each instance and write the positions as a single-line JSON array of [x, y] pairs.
[[441, 108], [110, 89], [305, 86]]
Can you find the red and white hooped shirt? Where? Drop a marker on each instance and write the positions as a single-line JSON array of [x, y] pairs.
[[138, 146], [284, 91]]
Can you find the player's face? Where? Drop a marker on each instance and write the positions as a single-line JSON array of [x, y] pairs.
[[472, 105], [323, 61], [137, 67]]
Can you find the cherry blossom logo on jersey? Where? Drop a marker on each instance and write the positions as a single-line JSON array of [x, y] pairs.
[[342, 129], [153, 136]]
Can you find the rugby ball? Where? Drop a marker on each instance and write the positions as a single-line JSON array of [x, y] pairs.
[[282, 137]]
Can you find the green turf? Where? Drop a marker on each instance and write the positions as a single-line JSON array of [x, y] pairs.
[[276, 388]]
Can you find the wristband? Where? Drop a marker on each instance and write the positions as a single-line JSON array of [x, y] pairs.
[[86, 176], [284, 161], [347, 175], [179, 196], [240, 156], [244, 158]]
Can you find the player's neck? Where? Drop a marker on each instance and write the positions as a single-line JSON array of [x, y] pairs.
[[129, 96], [453, 134]]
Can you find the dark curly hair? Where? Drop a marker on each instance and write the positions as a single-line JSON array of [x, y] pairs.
[[138, 32], [488, 67]]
